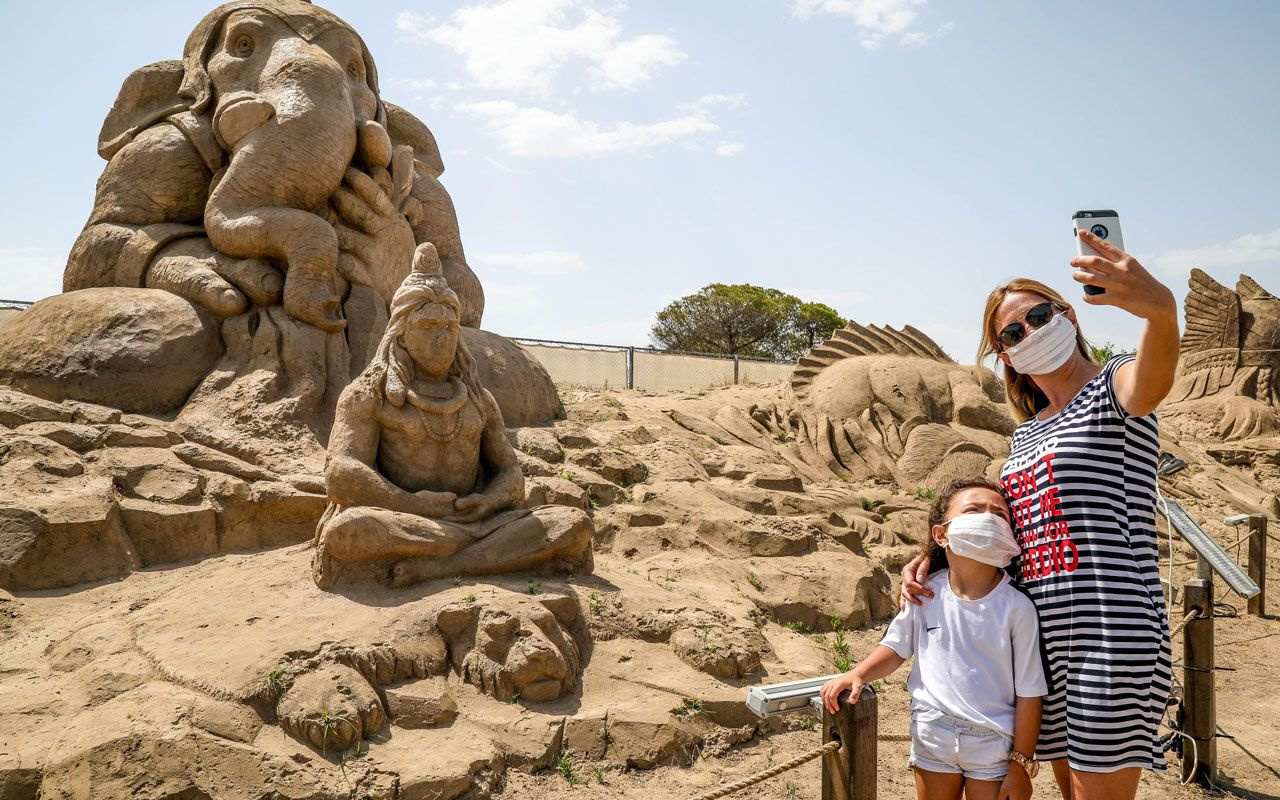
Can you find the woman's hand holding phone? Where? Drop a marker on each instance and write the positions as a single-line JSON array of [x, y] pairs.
[[1128, 284]]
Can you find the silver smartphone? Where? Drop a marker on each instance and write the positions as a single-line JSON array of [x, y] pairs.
[[1103, 223]]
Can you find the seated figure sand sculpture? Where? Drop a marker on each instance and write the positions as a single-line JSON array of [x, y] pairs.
[[422, 480]]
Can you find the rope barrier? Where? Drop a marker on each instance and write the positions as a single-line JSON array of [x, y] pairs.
[[1193, 614], [736, 786]]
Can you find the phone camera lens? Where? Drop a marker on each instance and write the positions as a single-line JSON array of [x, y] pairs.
[[1099, 230]]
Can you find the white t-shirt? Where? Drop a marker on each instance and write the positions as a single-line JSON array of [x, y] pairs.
[[974, 658]]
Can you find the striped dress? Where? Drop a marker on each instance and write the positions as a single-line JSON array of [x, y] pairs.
[[1081, 486]]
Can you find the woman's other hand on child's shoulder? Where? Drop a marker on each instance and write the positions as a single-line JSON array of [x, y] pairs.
[[832, 689], [914, 574]]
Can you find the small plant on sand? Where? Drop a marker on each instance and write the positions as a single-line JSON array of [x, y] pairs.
[[595, 602], [925, 493], [754, 580], [275, 681], [565, 767], [878, 685], [457, 580], [469, 599], [330, 723], [791, 791], [591, 499], [808, 724], [688, 707], [869, 504], [534, 587], [782, 437], [843, 653], [599, 771], [799, 627]]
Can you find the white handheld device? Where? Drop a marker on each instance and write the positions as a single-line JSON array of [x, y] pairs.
[[1103, 223]]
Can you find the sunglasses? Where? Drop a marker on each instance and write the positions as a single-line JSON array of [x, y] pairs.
[[1036, 317]]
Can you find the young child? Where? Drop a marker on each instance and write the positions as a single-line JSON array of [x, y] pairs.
[[977, 681]]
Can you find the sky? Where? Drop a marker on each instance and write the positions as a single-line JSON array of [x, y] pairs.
[[895, 159]]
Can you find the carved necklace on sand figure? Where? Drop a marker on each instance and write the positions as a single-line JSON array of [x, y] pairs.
[[443, 407]]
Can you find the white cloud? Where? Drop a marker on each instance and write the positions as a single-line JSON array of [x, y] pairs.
[[728, 149], [542, 263], [414, 85], [633, 63], [734, 100], [539, 132], [1252, 248], [878, 20], [522, 45]]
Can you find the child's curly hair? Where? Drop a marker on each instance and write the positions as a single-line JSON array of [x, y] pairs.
[[938, 515]]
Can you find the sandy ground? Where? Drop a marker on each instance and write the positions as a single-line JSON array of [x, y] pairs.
[[101, 679]]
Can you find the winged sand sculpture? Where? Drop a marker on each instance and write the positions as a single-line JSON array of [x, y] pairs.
[[1229, 370]]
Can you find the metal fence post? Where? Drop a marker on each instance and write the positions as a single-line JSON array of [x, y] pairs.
[[1200, 722], [850, 772], [1257, 605], [735, 369], [631, 368]]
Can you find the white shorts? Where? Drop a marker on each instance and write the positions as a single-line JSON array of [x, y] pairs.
[[941, 743]]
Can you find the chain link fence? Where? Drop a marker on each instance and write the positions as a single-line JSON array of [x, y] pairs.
[[10, 308], [602, 366]]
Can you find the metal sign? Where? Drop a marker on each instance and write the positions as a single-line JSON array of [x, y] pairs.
[[780, 698], [1208, 549]]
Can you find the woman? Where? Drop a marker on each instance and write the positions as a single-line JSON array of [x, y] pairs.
[[1081, 483]]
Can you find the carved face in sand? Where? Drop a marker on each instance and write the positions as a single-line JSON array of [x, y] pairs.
[[520, 647], [431, 338]]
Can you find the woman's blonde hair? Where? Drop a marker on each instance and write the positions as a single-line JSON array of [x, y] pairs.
[[1025, 398]]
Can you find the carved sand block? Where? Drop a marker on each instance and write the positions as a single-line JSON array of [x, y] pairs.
[[1229, 370], [422, 479]]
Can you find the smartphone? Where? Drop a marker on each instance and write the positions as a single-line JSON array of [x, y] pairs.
[[1103, 223]]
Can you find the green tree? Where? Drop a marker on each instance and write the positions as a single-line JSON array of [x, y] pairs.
[[1103, 353], [811, 325], [744, 320]]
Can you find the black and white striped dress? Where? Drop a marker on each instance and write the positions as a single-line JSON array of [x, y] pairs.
[[1081, 486]]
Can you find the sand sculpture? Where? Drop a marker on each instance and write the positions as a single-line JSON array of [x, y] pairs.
[[889, 405], [421, 476], [1229, 371], [260, 205], [264, 182]]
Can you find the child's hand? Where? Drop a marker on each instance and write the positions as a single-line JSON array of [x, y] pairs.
[[831, 690], [1016, 785]]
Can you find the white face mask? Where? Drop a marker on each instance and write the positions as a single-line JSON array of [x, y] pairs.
[[1045, 349], [983, 537]]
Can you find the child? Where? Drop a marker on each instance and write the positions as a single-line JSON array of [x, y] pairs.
[[977, 681]]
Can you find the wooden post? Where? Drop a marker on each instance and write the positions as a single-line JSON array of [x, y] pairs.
[[850, 772], [1257, 604], [1200, 721]]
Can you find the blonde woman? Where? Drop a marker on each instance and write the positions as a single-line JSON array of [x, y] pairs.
[[1080, 482]]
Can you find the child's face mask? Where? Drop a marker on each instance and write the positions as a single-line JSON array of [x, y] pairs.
[[983, 537]]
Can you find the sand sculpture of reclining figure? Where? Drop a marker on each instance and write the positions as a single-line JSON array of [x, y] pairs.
[[422, 480]]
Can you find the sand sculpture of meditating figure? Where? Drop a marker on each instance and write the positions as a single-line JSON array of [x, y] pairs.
[[422, 480]]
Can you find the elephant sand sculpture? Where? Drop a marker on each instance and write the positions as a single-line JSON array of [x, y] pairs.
[[422, 479], [247, 141], [261, 203]]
